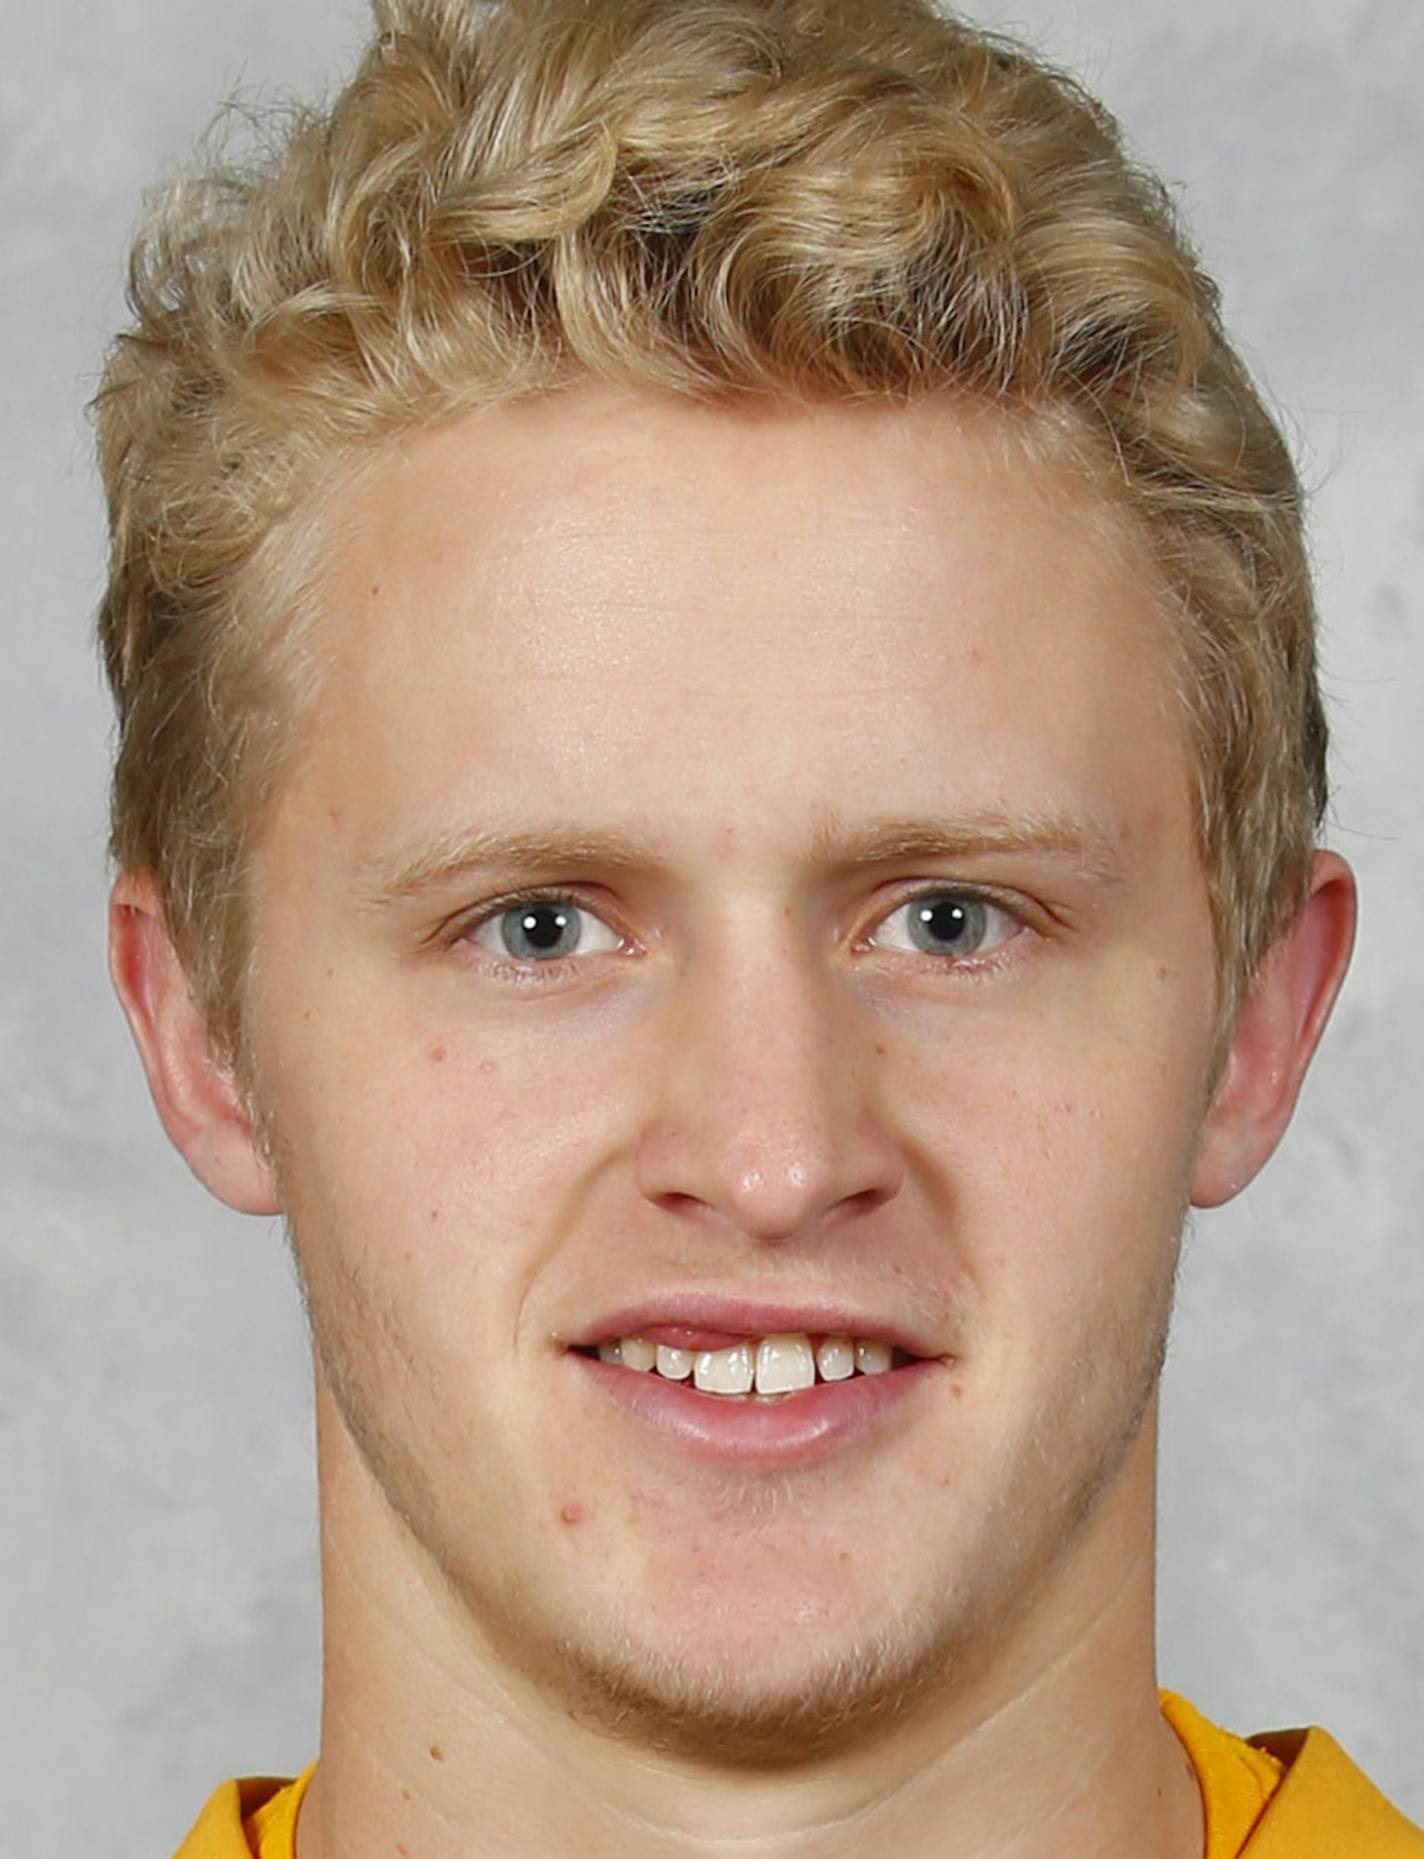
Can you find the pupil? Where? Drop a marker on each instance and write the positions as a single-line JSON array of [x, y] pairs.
[[954, 923], [539, 928]]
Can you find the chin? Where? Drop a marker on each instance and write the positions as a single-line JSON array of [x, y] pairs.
[[785, 1702]]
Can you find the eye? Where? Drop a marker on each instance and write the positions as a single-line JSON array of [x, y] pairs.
[[542, 930], [957, 924]]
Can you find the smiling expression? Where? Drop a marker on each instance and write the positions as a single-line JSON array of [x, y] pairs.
[[739, 879]]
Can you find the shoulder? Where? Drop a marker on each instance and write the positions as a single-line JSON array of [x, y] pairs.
[[1326, 1807], [239, 1815], [1287, 1794]]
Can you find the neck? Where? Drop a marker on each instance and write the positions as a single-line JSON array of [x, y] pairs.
[[432, 1746]]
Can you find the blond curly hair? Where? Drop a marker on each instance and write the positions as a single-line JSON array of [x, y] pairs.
[[714, 198]]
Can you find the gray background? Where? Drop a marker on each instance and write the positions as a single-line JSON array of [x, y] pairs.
[[158, 1604]]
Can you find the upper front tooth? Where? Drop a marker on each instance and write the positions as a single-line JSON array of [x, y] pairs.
[[724, 1371], [675, 1364], [836, 1358], [784, 1364], [871, 1358]]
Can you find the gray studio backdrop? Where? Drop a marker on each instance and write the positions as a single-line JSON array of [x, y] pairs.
[[158, 1594]]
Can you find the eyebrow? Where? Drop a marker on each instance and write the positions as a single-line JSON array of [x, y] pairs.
[[1086, 844], [466, 853]]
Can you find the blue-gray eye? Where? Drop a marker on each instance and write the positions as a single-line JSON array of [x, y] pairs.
[[543, 929], [533, 931], [949, 923]]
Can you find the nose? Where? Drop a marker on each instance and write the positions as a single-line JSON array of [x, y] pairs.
[[758, 1104]]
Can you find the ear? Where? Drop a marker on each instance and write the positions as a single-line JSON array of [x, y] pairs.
[[1276, 1033], [195, 1093]]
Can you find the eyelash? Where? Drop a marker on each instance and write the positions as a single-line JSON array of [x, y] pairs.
[[537, 974]]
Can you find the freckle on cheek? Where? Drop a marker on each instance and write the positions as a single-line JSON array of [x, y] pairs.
[[437, 1754]]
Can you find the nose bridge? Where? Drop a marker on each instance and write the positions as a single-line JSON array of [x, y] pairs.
[[759, 1109]]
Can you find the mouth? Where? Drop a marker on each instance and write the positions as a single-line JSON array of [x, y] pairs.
[[732, 1380], [768, 1368]]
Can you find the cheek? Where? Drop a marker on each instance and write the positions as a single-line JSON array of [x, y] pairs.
[[383, 1156], [431, 1167], [1059, 1156]]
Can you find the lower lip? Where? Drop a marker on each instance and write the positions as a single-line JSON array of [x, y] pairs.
[[789, 1430]]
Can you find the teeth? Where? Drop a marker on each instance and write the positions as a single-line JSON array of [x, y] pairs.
[[724, 1371], [772, 1365], [835, 1359], [784, 1365]]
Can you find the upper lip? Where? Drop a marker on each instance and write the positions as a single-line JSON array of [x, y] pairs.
[[741, 1314]]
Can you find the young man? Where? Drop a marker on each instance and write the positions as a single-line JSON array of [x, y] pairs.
[[717, 797]]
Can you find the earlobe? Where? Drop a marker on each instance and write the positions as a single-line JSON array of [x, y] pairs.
[[1276, 1033], [195, 1094]]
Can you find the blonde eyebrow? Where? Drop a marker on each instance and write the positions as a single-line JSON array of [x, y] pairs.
[[1086, 844], [464, 853]]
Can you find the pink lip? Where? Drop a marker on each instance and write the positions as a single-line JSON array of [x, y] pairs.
[[723, 1319], [796, 1429]]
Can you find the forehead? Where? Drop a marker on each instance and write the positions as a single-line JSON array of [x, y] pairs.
[[732, 619]]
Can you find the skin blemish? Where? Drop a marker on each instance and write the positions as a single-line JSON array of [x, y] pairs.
[[437, 1754], [437, 1055], [435, 1216], [486, 1065], [405, 1794], [572, 1513], [879, 1050]]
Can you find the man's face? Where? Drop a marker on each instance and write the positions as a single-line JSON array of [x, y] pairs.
[[868, 994]]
